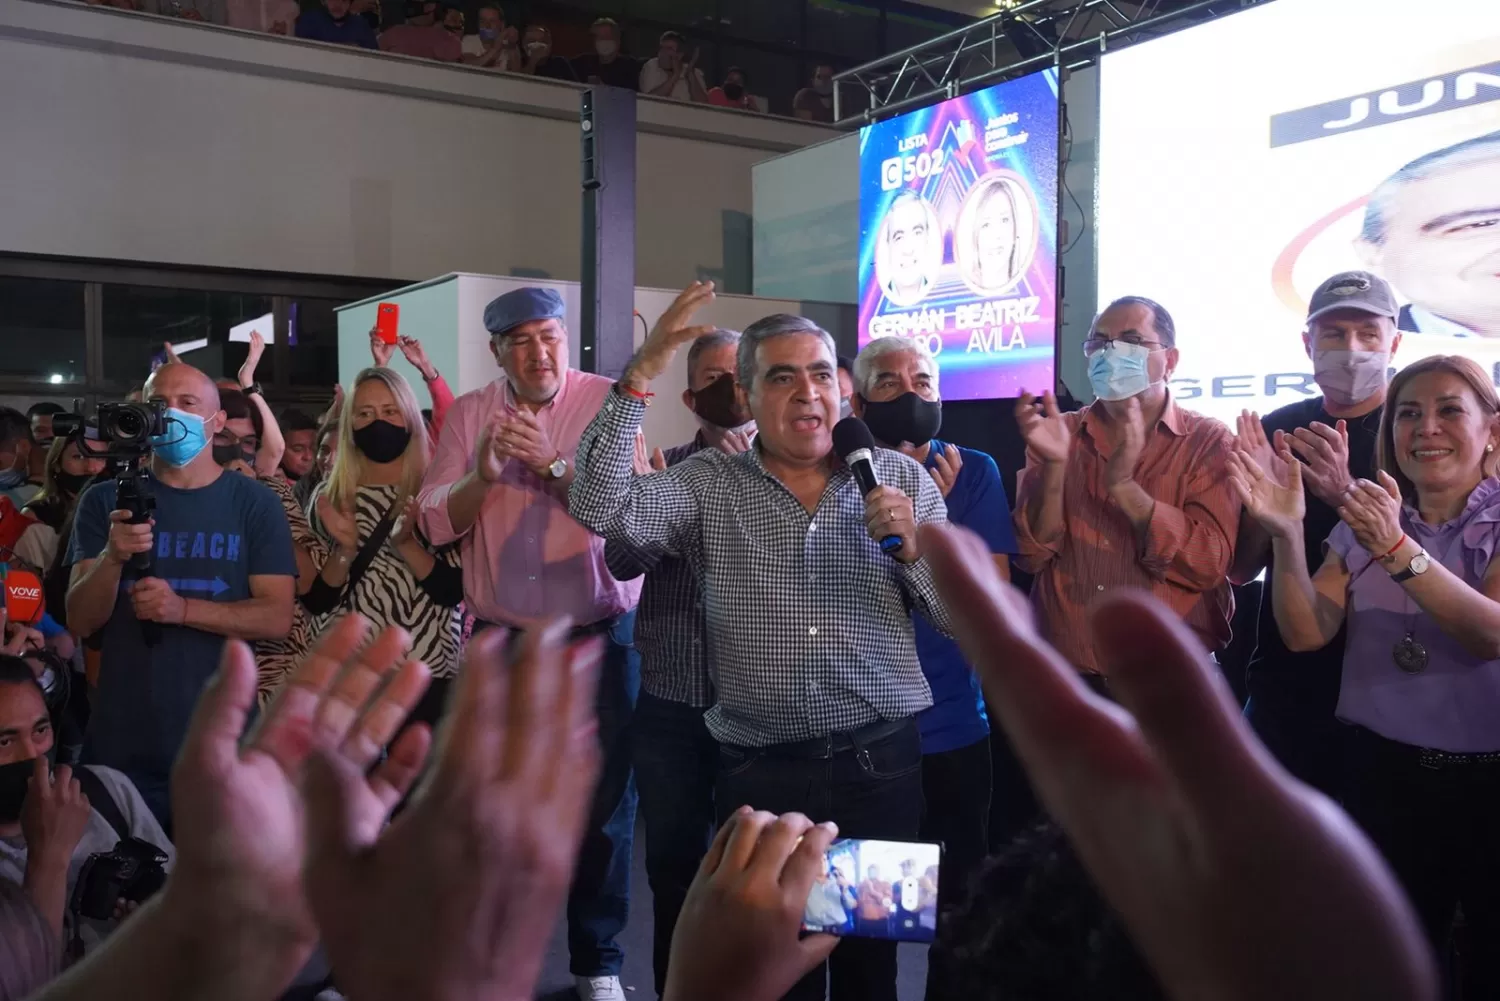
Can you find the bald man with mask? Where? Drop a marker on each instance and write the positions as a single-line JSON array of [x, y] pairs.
[[224, 567]]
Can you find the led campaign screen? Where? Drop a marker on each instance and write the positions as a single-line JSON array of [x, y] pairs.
[[958, 236], [1244, 161]]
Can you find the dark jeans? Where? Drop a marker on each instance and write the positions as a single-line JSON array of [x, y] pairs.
[[871, 789], [599, 901], [1438, 828], [956, 814], [1309, 744], [676, 760]]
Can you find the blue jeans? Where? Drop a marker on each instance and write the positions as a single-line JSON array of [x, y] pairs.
[[676, 760], [599, 901]]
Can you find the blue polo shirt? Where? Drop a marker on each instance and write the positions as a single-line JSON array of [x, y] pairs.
[[978, 503], [318, 26]]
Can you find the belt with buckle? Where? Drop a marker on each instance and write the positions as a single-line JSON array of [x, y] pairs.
[[1429, 757], [833, 743]]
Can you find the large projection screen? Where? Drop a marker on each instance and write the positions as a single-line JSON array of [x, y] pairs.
[[958, 236], [1243, 161]]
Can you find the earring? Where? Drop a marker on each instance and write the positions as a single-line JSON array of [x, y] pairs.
[[1489, 448]]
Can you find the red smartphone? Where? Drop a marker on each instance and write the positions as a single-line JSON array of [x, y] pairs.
[[387, 322]]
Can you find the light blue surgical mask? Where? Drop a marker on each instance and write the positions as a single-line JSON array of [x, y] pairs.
[[1119, 371], [14, 477], [185, 438]]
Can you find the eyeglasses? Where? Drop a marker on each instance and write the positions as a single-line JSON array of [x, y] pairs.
[[1094, 345]]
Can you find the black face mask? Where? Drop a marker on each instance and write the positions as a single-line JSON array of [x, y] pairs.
[[225, 454], [372, 18], [716, 403], [381, 441], [907, 418], [14, 779], [71, 483], [734, 91]]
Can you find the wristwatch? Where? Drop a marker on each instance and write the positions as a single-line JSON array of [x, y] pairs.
[[1418, 566], [252, 390], [558, 469]]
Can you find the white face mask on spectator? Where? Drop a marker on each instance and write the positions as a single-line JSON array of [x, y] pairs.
[[536, 48], [606, 47]]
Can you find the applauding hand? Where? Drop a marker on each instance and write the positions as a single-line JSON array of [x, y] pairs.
[[1279, 507], [1043, 428]]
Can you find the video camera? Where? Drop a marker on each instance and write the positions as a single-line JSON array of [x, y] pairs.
[[133, 871], [126, 429]]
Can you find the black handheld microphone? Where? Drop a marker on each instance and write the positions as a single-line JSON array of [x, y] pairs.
[[856, 446]]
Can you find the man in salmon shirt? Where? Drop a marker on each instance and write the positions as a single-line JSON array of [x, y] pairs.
[[498, 485], [1131, 491]]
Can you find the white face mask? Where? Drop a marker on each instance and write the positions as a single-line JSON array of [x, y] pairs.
[[606, 48], [1350, 377], [536, 48], [1120, 371]]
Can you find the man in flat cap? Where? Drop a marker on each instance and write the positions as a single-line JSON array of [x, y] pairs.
[[498, 485]]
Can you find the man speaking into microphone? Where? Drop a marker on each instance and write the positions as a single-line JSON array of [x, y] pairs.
[[811, 650]]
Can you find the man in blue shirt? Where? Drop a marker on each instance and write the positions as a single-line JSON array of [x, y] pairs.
[[336, 25], [896, 394], [224, 567]]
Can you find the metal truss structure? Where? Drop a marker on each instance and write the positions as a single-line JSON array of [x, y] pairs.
[[1029, 36]]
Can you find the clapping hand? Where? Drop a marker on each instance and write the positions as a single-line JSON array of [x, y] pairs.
[[1043, 428], [459, 896], [406, 523], [489, 458], [521, 436], [1278, 507], [238, 804], [1325, 452], [945, 467], [1215, 857], [1250, 439], [1373, 511], [739, 935], [341, 526]]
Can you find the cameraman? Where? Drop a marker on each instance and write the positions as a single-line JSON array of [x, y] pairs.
[[45, 839], [223, 568]]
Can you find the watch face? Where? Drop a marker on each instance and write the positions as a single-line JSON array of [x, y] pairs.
[[1419, 563], [558, 468]]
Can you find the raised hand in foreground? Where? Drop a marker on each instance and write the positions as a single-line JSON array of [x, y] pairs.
[[1235, 880], [231, 922], [458, 898], [738, 937]]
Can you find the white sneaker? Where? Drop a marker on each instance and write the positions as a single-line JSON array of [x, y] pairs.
[[598, 988]]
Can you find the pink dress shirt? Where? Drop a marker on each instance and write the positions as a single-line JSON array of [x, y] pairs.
[[262, 15], [525, 558]]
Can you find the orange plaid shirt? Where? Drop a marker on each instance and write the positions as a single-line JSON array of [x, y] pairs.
[[1188, 545]]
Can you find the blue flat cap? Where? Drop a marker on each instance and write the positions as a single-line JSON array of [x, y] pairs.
[[520, 306]]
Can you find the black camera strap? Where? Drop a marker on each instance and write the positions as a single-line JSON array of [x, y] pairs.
[[102, 800], [367, 552]]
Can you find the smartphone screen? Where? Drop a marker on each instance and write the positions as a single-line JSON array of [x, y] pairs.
[[877, 889], [387, 321]]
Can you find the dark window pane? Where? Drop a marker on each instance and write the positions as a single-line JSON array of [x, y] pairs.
[[902, 31], [688, 13], [845, 30], [41, 330], [140, 320], [762, 21], [314, 343]]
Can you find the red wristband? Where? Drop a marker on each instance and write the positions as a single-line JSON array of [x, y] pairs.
[[1401, 542], [632, 391]]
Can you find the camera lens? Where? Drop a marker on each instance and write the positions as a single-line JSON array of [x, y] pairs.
[[128, 426]]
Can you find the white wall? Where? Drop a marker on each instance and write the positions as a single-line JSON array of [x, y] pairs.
[[448, 314], [146, 139]]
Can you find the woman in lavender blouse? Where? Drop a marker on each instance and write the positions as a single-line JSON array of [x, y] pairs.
[[1412, 569]]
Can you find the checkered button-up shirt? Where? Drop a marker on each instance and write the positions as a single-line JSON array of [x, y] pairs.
[[808, 622], [669, 629]]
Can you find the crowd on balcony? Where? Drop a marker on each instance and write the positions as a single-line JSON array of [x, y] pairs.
[[439, 30]]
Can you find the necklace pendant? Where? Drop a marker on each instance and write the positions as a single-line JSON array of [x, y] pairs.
[[1409, 655]]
